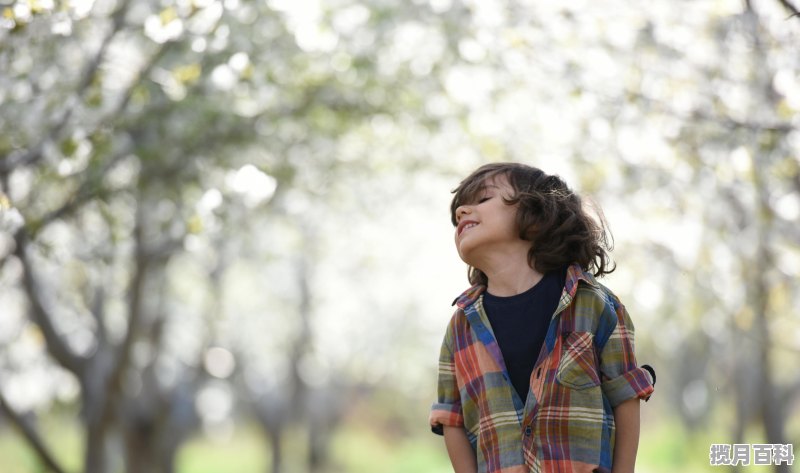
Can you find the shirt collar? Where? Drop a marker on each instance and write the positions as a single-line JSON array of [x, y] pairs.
[[574, 274], [469, 296]]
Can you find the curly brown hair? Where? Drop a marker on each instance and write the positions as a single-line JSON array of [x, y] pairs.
[[550, 215]]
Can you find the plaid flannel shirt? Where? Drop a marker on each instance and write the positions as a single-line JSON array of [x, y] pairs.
[[586, 367]]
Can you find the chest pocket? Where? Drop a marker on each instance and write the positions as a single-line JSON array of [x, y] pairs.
[[578, 366]]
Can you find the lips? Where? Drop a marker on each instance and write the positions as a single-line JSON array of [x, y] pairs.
[[464, 224]]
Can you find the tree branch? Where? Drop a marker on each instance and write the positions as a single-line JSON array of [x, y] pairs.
[[34, 153], [792, 9], [56, 346], [696, 115], [143, 72], [135, 313], [86, 191], [99, 313], [31, 435]]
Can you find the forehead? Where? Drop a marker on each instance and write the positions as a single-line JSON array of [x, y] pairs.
[[473, 190], [496, 182]]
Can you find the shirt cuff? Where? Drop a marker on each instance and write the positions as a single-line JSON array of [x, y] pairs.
[[636, 383], [445, 414]]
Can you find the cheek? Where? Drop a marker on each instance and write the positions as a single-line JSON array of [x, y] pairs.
[[510, 223]]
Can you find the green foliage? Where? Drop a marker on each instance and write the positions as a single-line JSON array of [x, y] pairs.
[[367, 450], [245, 452], [61, 433], [364, 447]]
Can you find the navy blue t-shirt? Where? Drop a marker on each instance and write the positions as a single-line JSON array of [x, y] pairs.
[[520, 325]]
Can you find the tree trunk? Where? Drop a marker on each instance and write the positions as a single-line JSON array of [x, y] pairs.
[[275, 444], [770, 409], [94, 453], [768, 406]]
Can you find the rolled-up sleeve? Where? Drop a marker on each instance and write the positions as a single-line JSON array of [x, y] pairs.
[[622, 378], [447, 408]]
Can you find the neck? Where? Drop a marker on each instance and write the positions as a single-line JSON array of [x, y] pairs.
[[509, 273]]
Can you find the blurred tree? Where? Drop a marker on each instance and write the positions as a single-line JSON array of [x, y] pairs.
[[730, 174], [738, 141], [115, 166]]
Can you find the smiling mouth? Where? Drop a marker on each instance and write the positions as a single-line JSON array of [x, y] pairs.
[[467, 227]]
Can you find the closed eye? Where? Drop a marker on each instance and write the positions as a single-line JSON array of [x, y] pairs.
[[484, 199]]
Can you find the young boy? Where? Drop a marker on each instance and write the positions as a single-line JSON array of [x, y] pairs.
[[537, 370]]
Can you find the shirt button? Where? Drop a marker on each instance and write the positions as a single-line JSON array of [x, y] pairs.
[[528, 431]]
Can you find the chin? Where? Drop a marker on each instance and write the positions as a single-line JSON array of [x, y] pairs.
[[465, 255]]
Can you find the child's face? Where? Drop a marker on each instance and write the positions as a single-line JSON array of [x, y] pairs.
[[488, 224]]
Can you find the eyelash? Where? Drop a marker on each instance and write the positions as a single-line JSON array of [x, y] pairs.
[[484, 200]]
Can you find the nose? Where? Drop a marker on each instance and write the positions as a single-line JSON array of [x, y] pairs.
[[461, 211]]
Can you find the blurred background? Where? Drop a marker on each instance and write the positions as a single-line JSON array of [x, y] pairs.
[[224, 231]]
